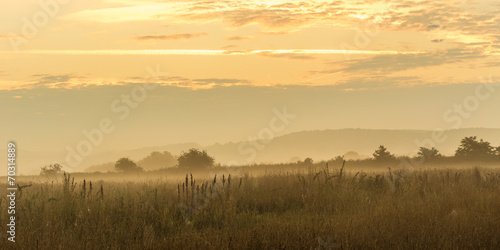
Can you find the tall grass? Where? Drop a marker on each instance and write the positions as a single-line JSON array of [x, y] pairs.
[[429, 209]]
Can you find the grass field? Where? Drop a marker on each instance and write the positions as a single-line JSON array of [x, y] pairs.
[[316, 209]]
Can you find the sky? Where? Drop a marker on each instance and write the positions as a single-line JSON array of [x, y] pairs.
[[160, 72]]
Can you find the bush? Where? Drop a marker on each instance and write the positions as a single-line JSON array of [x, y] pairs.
[[126, 165], [429, 153], [157, 160], [195, 159], [51, 170]]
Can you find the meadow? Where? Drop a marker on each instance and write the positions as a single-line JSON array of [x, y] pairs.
[[315, 208]]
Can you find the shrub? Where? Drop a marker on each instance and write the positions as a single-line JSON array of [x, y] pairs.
[[195, 159], [51, 170], [126, 165]]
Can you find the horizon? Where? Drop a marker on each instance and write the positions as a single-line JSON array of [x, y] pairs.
[[320, 145]]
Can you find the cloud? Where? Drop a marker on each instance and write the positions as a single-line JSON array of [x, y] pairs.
[[53, 81], [287, 55], [219, 80], [462, 23], [378, 82], [269, 17], [400, 62], [437, 40], [210, 52], [442, 22], [238, 38], [202, 83], [69, 81], [280, 18], [467, 20], [433, 27], [173, 37], [230, 46], [274, 32]]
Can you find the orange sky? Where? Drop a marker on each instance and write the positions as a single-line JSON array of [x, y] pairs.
[[376, 64], [275, 42]]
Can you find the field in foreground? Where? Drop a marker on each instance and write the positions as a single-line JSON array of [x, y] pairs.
[[318, 209]]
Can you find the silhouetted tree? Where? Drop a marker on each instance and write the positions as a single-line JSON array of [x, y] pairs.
[[382, 154], [470, 147], [51, 170], [126, 165], [157, 160], [429, 153], [195, 159]]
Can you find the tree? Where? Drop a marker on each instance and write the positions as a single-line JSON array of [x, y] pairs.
[[471, 148], [382, 154], [157, 160], [126, 165], [498, 150], [51, 170], [429, 153], [195, 159]]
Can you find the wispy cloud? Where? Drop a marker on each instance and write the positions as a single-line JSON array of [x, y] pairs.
[[288, 55], [173, 36], [275, 15], [196, 83], [69, 81], [400, 62], [448, 21], [274, 33], [209, 52], [54, 81], [227, 47], [278, 17], [238, 38], [411, 37], [379, 82]]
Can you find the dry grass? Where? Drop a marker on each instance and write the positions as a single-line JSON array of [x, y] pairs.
[[319, 209]]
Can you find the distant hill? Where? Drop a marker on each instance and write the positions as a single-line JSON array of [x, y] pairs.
[[326, 144], [318, 144]]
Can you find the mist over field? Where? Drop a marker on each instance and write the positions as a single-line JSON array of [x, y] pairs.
[[132, 124], [320, 145]]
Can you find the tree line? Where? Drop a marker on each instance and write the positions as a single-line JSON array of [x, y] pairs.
[[470, 148]]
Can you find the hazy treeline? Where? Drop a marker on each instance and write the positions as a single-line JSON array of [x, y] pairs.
[[470, 151]]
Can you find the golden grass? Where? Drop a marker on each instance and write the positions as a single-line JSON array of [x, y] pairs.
[[318, 209]]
